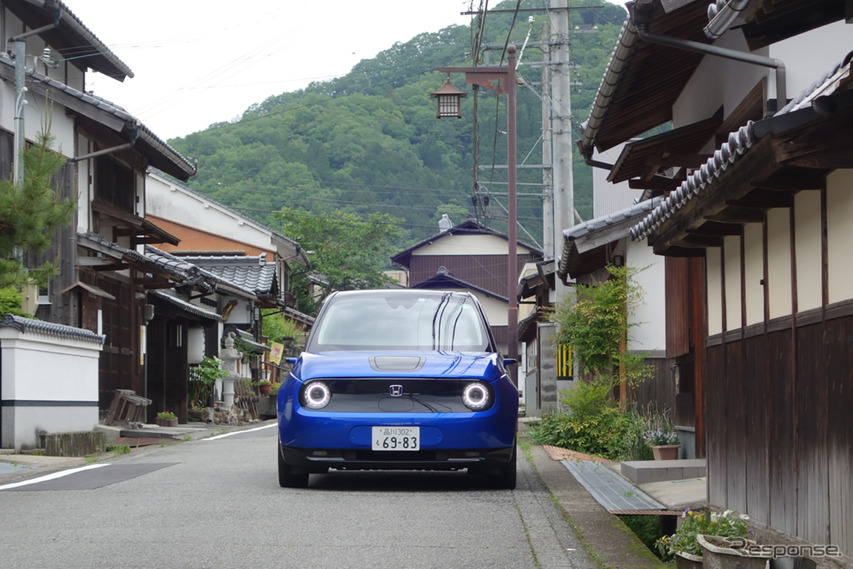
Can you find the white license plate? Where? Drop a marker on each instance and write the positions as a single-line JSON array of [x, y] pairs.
[[396, 438]]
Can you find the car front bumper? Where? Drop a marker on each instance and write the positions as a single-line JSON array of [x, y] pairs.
[[320, 460]]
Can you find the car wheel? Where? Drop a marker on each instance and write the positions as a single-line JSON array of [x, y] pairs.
[[506, 477], [286, 476]]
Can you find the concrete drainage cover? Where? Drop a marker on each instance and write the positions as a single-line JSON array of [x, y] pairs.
[[612, 491]]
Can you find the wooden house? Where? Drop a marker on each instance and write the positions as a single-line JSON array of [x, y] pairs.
[[756, 174], [468, 256], [104, 274]]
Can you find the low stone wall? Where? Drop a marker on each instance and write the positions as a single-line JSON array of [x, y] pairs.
[[48, 380]]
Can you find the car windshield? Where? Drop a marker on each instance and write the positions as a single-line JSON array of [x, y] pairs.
[[400, 322]]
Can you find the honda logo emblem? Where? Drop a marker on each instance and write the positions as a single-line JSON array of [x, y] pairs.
[[396, 390]]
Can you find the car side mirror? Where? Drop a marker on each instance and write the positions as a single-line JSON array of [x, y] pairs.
[[290, 360], [510, 362]]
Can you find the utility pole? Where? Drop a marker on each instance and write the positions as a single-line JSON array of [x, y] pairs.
[[561, 131], [20, 93], [547, 149]]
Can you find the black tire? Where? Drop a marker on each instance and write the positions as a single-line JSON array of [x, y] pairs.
[[286, 477], [507, 476]]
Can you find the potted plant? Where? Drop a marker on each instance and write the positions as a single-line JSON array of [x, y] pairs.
[[684, 543], [166, 419], [264, 386], [664, 443]]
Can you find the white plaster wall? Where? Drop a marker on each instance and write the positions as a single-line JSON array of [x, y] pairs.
[[807, 229], [467, 245], [716, 82], [172, 202], [808, 56], [36, 112], [731, 248], [839, 213], [649, 335], [713, 276], [49, 385], [753, 235], [607, 197], [779, 262]]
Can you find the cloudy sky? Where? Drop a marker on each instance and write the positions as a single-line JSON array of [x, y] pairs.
[[199, 62]]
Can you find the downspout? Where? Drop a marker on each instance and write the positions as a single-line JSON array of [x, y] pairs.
[[642, 15]]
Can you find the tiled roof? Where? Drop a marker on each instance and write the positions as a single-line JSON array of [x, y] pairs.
[[185, 305], [192, 272], [250, 273], [158, 152], [70, 37], [61, 331], [468, 227], [600, 231], [738, 144]]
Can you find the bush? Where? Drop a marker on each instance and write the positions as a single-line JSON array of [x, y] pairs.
[[593, 424], [10, 302]]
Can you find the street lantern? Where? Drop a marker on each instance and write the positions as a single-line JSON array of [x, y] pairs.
[[449, 100], [500, 80]]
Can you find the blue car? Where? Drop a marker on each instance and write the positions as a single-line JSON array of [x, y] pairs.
[[398, 379]]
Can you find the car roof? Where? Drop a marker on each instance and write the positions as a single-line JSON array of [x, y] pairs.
[[400, 292]]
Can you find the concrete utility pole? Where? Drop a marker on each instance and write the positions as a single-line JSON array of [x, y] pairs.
[[561, 131], [547, 151], [20, 52]]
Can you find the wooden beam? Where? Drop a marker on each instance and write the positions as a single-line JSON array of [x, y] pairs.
[[716, 228], [734, 214], [764, 199], [792, 180], [695, 240]]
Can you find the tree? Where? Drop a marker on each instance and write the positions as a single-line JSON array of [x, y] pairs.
[[29, 214], [349, 253], [595, 323]]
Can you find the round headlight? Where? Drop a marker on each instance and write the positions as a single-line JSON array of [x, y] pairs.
[[475, 396], [317, 395]]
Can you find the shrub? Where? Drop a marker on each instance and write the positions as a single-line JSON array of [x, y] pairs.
[[592, 424]]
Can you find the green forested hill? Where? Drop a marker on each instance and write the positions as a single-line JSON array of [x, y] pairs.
[[370, 142]]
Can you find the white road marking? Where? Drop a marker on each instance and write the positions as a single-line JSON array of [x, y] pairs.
[[52, 476], [222, 436]]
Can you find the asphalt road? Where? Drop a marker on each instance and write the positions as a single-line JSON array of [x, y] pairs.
[[216, 503]]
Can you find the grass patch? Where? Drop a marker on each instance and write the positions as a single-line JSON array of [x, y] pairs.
[[647, 528]]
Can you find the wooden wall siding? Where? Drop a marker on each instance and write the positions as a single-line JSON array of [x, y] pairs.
[[485, 271], [677, 308], [840, 436], [756, 385], [782, 464], [658, 391], [715, 406], [736, 435], [811, 422], [779, 430], [119, 364]]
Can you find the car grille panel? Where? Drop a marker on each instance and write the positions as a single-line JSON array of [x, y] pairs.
[[396, 395]]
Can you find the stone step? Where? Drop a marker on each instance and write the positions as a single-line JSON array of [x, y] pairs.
[[643, 471]]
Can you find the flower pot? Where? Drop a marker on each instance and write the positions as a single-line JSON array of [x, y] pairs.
[[684, 560], [166, 422], [720, 553], [665, 452], [264, 389]]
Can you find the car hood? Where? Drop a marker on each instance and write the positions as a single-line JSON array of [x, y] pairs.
[[487, 366]]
